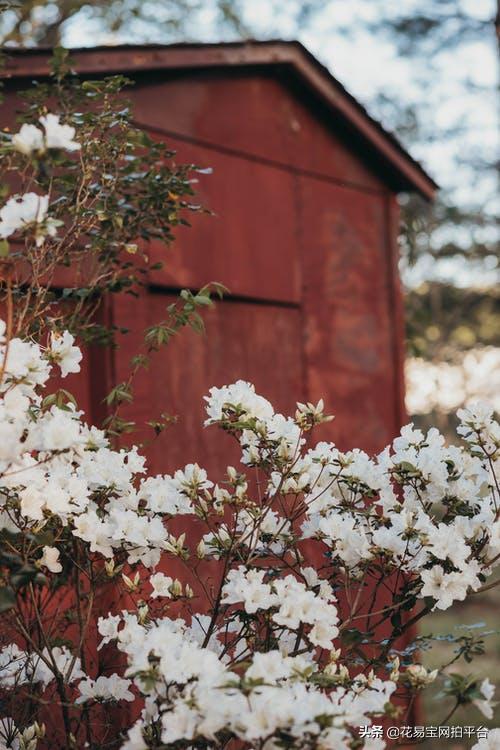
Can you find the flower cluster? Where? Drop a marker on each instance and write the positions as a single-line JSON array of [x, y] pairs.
[[276, 696], [54, 468], [295, 604], [29, 212], [255, 623]]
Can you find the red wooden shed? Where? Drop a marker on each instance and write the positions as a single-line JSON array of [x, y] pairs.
[[304, 190]]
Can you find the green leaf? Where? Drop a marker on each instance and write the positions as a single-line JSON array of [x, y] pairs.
[[120, 393], [200, 299], [4, 248]]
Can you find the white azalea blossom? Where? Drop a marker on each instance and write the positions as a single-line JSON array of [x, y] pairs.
[[241, 398], [113, 688], [485, 703], [24, 212], [50, 559], [33, 140], [161, 585], [58, 135], [491, 742], [264, 663], [63, 351], [29, 140]]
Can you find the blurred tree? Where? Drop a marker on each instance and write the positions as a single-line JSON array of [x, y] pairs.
[[446, 319], [442, 317], [427, 33], [42, 22]]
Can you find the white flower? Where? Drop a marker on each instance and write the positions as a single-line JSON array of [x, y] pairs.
[[57, 430], [161, 585], [192, 479], [419, 676], [26, 212], [346, 537], [247, 586], [50, 559], [64, 353], [163, 495], [299, 605], [240, 395], [113, 688], [135, 740], [491, 742], [13, 666], [445, 542], [108, 628], [32, 503], [29, 139], [180, 723], [445, 588], [485, 704], [25, 365], [66, 665], [58, 135], [22, 210], [269, 667]]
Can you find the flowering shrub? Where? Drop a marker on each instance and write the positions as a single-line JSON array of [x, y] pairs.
[[266, 648], [87, 185], [265, 610]]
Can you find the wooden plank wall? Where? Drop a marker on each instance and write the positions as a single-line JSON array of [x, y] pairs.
[[304, 237]]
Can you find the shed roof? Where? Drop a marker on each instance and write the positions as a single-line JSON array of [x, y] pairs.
[[292, 59]]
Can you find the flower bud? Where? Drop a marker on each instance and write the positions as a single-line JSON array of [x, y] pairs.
[[241, 491], [394, 674], [283, 450], [331, 669], [334, 655], [418, 676], [203, 504], [131, 584], [176, 588], [201, 549], [109, 566], [29, 733]]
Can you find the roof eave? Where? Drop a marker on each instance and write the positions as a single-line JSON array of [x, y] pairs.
[[407, 174]]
